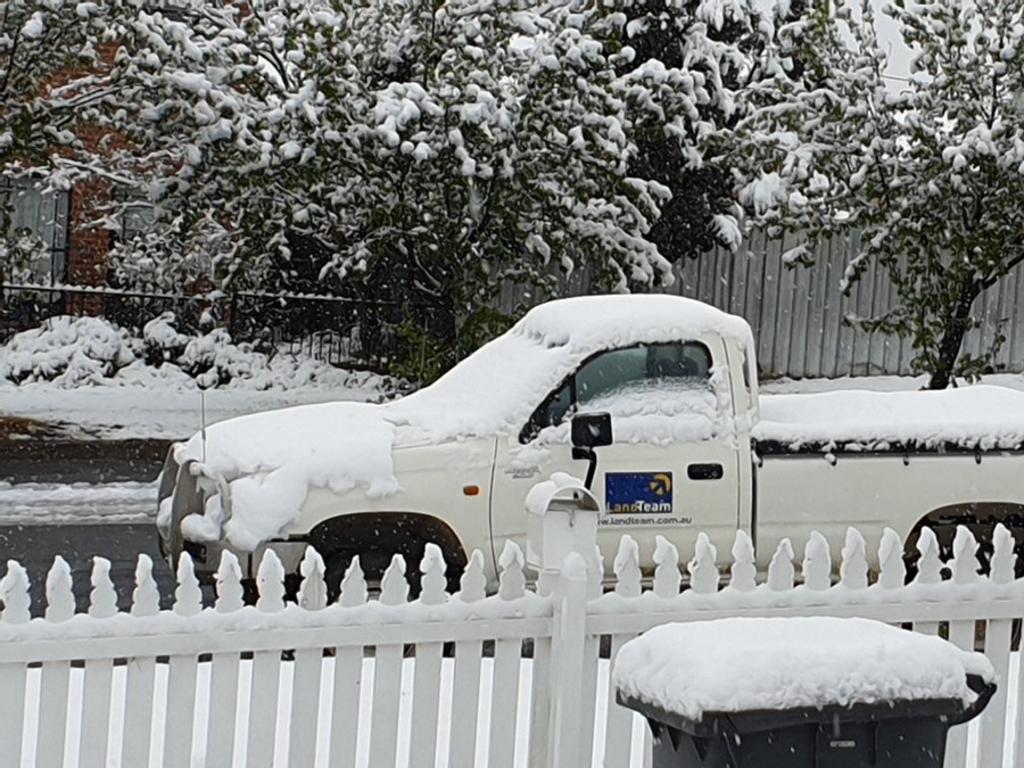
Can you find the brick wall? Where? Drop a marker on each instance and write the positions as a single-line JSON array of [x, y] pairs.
[[89, 244]]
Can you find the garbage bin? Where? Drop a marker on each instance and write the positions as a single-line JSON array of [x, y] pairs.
[[799, 692]]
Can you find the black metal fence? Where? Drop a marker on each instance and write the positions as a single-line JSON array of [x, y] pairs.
[[336, 330]]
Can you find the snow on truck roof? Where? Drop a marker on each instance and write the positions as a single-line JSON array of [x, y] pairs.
[[497, 387], [597, 322]]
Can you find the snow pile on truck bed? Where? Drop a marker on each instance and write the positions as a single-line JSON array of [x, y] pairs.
[[744, 664], [978, 416]]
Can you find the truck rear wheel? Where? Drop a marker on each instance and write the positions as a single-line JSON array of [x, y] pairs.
[[981, 519]]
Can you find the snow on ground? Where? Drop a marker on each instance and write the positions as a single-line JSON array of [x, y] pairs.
[[153, 407], [48, 503], [640, 732]]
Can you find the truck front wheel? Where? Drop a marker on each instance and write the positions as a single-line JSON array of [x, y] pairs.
[[376, 538]]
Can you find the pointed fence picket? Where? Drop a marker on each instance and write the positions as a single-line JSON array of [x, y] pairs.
[[511, 679], [308, 669], [14, 590], [55, 675], [466, 683]]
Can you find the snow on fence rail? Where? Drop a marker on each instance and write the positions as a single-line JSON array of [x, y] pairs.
[[515, 678]]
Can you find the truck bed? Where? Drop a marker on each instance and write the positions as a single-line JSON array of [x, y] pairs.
[[969, 419]]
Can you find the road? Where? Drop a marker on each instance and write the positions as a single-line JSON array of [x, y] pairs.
[[35, 546], [77, 500], [69, 461]]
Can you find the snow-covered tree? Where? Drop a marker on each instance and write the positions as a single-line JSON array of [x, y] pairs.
[[720, 44], [425, 152], [930, 172]]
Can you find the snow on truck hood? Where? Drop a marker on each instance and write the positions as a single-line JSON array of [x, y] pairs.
[[272, 459]]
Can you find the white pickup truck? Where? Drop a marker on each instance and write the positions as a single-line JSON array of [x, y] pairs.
[[694, 449]]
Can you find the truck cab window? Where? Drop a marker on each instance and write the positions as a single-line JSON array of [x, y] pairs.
[[552, 412], [641, 370]]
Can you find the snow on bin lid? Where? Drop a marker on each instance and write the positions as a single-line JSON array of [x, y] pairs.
[[750, 664]]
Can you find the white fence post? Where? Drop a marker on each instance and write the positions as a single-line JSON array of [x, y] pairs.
[[570, 630], [562, 517]]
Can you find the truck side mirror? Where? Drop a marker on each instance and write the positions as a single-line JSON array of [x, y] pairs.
[[590, 431]]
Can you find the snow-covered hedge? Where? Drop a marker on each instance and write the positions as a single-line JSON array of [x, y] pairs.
[[82, 351], [68, 350]]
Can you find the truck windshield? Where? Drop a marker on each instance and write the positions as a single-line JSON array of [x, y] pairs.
[[642, 370]]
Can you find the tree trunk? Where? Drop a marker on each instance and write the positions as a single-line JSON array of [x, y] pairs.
[[953, 335]]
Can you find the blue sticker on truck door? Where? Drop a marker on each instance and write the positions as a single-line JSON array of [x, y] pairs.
[[640, 498]]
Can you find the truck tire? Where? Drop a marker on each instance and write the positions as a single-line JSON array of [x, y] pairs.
[[981, 519], [376, 538]]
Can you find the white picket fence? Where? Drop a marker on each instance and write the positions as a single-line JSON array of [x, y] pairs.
[[512, 679]]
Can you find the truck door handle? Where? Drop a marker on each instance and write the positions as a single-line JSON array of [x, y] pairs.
[[705, 471]]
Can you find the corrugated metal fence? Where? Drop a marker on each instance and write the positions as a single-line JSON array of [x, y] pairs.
[[797, 313]]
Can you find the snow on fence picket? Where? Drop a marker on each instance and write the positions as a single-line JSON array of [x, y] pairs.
[[515, 678]]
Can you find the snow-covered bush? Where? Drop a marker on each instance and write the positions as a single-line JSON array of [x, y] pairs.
[[214, 359], [84, 351], [70, 351], [161, 341], [211, 359]]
